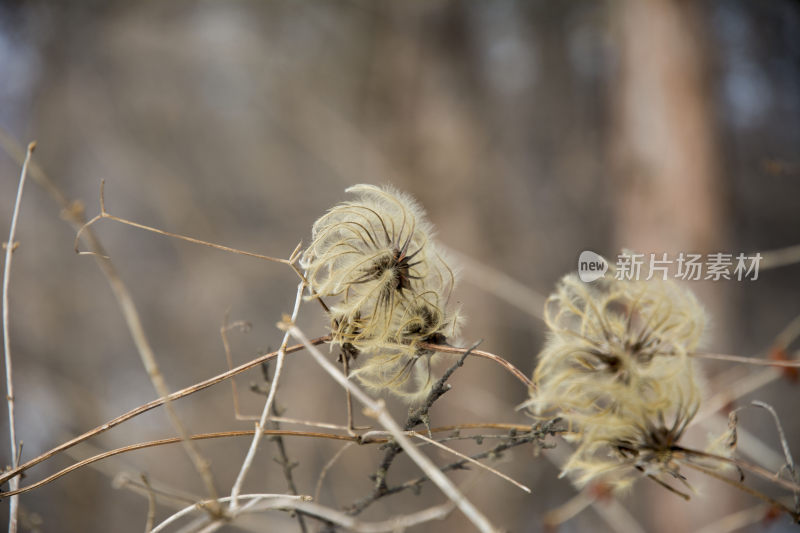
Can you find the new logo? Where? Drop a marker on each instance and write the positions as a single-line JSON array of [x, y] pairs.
[[591, 266]]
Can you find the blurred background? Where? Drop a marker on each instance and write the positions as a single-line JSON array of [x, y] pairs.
[[529, 131]]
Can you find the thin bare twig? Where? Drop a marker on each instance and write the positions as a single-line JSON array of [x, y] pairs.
[[420, 415], [569, 509], [151, 405], [534, 434], [450, 450], [500, 285], [151, 505], [788, 334], [176, 499], [744, 488], [132, 320], [308, 423], [286, 464], [104, 214], [615, 515], [787, 453], [264, 502], [377, 409], [397, 523], [444, 348], [242, 326], [325, 469], [13, 512], [471, 461], [780, 257], [74, 212], [290, 262], [251, 452], [731, 391], [242, 433], [207, 503], [748, 444], [747, 360], [742, 465], [746, 383], [172, 440], [737, 521]]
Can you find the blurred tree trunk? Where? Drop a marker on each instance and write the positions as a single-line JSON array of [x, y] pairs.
[[664, 151], [665, 160]]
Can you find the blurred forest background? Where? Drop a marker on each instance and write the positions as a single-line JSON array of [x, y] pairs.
[[529, 131]]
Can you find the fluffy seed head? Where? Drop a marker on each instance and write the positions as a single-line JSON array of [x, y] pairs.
[[388, 285], [616, 367], [639, 435], [609, 337]]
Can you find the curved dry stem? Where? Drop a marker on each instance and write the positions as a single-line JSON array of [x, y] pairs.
[[153, 404], [351, 439], [207, 503], [174, 440], [743, 465], [480, 353], [325, 469], [752, 492], [265, 502]]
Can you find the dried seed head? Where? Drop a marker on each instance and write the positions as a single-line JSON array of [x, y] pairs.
[[369, 253], [638, 436], [607, 337], [616, 367], [375, 257]]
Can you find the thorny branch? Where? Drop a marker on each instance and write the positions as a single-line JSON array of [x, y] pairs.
[[416, 417], [536, 435], [377, 409], [286, 464]]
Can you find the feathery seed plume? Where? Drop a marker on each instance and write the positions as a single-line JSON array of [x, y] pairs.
[[375, 257]]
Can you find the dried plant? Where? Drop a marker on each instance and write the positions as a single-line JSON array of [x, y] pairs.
[[617, 369], [610, 339], [640, 435], [376, 257]]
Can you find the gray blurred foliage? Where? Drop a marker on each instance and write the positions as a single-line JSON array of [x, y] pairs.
[[241, 122]]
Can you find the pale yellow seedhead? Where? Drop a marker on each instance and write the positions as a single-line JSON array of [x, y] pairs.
[[617, 368], [374, 261]]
